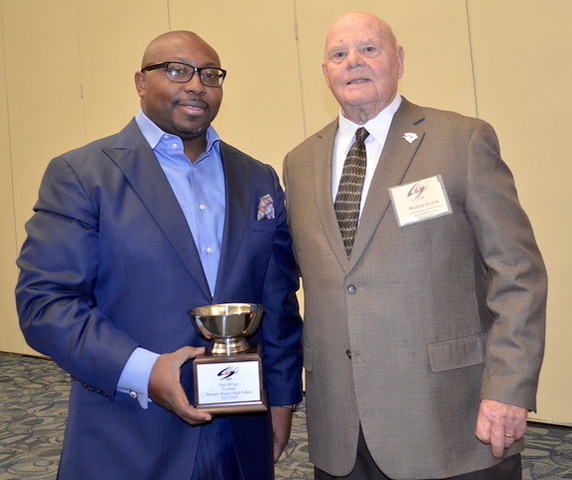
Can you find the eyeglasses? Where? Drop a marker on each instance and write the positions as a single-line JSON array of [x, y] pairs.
[[182, 73]]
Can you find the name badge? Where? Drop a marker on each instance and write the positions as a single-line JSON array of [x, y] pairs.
[[420, 201]]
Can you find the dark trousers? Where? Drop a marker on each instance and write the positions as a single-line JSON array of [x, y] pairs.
[[366, 469], [216, 456]]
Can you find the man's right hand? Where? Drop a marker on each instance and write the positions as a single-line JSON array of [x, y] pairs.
[[165, 387]]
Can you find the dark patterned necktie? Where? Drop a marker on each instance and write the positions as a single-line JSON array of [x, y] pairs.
[[348, 197]]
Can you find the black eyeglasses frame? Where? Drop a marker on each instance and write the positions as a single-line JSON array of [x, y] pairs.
[[165, 66]]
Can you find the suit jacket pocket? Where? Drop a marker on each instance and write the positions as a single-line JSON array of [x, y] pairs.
[[263, 225], [457, 353]]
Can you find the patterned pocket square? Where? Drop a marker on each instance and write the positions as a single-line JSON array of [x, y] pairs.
[[265, 208]]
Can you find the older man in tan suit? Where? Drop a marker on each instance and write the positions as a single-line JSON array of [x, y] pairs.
[[424, 339]]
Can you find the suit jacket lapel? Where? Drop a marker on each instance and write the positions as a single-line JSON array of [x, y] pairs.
[[142, 170], [322, 160], [238, 194], [394, 163]]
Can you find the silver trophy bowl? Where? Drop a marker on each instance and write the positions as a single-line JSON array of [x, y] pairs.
[[226, 324]]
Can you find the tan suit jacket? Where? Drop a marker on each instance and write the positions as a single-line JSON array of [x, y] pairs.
[[424, 320]]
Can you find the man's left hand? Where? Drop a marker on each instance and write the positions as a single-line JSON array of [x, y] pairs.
[[500, 425]]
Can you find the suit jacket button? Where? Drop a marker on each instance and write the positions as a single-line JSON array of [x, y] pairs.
[[351, 289], [349, 353]]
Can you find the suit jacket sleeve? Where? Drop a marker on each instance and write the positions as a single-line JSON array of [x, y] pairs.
[[282, 326], [516, 278], [55, 293]]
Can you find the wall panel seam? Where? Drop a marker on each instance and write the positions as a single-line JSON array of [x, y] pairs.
[[472, 59]]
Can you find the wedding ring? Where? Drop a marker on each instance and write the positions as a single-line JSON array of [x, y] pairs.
[[509, 436]]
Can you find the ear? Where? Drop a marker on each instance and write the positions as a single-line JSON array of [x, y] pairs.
[[325, 72], [140, 83], [400, 61]]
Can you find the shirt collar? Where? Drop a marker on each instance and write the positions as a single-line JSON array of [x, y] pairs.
[[377, 127], [153, 134]]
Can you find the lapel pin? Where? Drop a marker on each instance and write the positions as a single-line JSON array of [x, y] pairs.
[[410, 137]]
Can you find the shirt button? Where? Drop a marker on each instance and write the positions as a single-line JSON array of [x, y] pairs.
[[133, 394], [202, 206], [351, 289], [349, 353], [209, 250]]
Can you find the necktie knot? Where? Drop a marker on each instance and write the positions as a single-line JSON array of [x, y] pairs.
[[361, 134]]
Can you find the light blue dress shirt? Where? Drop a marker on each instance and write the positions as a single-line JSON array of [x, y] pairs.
[[200, 191]]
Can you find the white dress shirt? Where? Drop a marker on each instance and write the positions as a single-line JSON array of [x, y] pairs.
[[378, 128]]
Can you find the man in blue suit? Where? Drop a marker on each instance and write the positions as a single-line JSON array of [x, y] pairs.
[[129, 234]]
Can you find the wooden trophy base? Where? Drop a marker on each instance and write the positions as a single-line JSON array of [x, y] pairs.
[[229, 383]]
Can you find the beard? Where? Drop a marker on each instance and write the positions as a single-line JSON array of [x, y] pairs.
[[192, 130], [191, 133]]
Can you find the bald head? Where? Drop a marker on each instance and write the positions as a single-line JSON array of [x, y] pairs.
[[164, 44], [356, 17]]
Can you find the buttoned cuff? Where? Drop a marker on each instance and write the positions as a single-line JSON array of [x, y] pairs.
[[134, 379]]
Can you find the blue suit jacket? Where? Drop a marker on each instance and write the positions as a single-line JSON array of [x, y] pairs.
[[110, 264]]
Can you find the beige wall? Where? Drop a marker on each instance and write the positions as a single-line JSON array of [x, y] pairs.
[[66, 78]]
